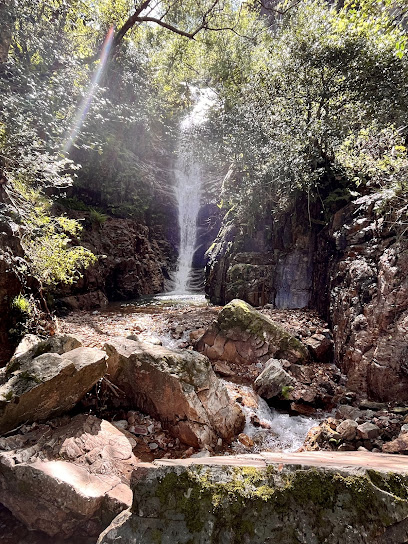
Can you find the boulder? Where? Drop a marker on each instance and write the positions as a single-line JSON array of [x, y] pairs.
[[178, 387], [48, 385], [368, 431], [399, 445], [32, 346], [243, 335], [347, 429], [303, 497], [272, 381], [68, 480], [321, 347]]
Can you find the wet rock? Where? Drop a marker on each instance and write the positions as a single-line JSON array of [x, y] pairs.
[[177, 387], [347, 429], [48, 385], [245, 440], [366, 404], [70, 480], [348, 412], [400, 410], [272, 381], [243, 335], [368, 431], [303, 409]]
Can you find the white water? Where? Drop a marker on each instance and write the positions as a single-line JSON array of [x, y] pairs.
[[188, 172], [281, 432]]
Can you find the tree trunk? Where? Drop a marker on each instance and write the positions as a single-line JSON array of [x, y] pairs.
[[6, 28]]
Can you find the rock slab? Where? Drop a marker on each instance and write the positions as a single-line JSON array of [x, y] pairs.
[[69, 480], [259, 500], [48, 385]]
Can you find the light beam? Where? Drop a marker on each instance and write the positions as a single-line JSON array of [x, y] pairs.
[[87, 100]]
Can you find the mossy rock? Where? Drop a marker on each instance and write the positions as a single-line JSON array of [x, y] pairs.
[[240, 321], [213, 504]]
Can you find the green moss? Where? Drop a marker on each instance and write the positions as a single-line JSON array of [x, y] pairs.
[[232, 497], [395, 484], [240, 315]]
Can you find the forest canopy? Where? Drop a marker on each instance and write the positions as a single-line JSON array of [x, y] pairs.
[[311, 98]]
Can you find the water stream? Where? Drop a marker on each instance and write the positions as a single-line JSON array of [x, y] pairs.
[[188, 189]]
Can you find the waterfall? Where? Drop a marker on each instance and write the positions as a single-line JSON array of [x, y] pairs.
[[188, 173]]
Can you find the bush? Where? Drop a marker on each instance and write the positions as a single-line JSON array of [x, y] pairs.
[[98, 218], [22, 305]]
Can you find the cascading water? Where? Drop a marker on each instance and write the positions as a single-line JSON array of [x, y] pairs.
[[188, 172]]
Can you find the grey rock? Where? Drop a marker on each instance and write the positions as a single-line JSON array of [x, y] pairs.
[[270, 382], [176, 501], [366, 404], [48, 385], [347, 429]]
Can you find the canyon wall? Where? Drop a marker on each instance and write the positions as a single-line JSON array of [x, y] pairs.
[[352, 271]]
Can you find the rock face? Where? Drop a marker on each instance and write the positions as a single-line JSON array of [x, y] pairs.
[[369, 302], [48, 385], [71, 478], [243, 335], [133, 260], [272, 264], [266, 499], [177, 387]]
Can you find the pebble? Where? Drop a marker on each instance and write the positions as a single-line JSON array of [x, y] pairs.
[[153, 446]]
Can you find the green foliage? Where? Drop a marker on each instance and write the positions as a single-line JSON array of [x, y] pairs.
[[97, 217], [21, 304], [325, 77]]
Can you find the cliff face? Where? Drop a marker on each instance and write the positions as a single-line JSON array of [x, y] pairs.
[[273, 264], [368, 285], [11, 255], [354, 272], [133, 260]]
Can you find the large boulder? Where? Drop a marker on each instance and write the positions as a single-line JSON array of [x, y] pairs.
[[178, 387], [48, 385], [32, 346], [71, 478], [307, 497], [242, 335]]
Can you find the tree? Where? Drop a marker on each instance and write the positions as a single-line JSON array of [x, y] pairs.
[[328, 74]]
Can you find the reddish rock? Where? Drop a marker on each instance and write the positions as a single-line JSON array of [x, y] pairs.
[[369, 301], [243, 335], [347, 429], [177, 387], [368, 431], [399, 445], [75, 477], [321, 347]]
